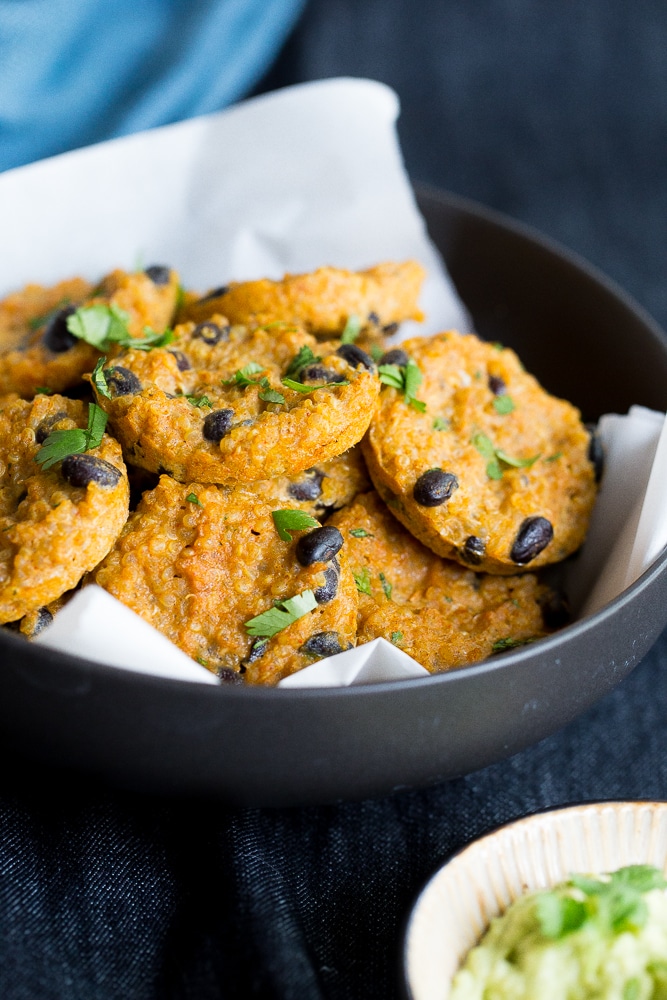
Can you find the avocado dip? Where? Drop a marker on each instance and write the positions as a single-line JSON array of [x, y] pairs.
[[590, 938]]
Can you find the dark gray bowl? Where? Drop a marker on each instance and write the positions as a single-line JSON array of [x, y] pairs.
[[586, 341]]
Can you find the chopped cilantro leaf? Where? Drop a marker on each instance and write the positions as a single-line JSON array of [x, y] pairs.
[[270, 622], [292, 520], [193, 498], [98, 378], [360, 533], [554, 457], [303, 357], [60, 444], [407, 380], [43, 390], [242, 375], [516, 463], [494, 456], [101, 325], [199, 401], [363, 581], [202, 662], [351, 331], [441, 424], [376, 352], [386, 586], [500, 645], [396, 637], [301, 387], [503, 404], [271, 395]]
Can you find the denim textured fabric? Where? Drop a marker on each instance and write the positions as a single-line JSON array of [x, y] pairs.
[[556, 114]]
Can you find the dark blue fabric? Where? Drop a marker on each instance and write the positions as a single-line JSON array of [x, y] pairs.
[[557, 114]]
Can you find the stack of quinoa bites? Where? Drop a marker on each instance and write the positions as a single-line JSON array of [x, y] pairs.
[[256, 473]]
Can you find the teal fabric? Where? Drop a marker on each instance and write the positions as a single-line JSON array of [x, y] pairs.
[[74, 72]]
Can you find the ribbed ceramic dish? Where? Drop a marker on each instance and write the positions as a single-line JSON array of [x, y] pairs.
[[456, 905]]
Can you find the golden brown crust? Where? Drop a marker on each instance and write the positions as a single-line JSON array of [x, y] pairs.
[[320, 302], [441, 614], [199, 571], [544, 435], [28, 363], [51, 532], [161, 430]]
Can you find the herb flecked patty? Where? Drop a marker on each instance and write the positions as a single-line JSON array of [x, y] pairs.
[[484, 467], [226, 404], [56, 523], [439, 613], [207, 566]]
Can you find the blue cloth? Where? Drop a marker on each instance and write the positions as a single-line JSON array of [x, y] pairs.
[[74, 72]]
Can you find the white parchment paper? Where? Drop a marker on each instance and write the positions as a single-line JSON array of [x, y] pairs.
[[288, 182]]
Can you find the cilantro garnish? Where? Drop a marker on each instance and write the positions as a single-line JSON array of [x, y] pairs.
[[407, 380], [242, 377], [503, 404], [43, 390], [396, 637], [292, 520], [193, 498], [500, 645], [360, 533], [60, 444], [494, 456], [554, 457], [302, 387], [613, 905], [199, 401], [351, 331], [270, 622], [441, 424], [98, 378], [303, 357], [101, 326], [363, 581], [386, 586], [376, 352]]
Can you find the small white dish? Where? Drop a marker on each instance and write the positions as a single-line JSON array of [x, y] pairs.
[[458, 902]]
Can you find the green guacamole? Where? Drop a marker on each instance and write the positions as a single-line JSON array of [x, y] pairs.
[[587, 939]]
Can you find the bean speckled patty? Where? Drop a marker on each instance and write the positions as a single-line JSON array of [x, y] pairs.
[[439, 613], [36, 348], [320, 490], [51, 530], [199, 561], [320, 302], [495, 473], [184, 411]]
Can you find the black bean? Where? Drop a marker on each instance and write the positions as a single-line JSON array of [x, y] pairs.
[[556, 610], [307, 489], [159, 274], [121, 381], [319, 545], [374, 318], [390, 329], [46, 426], [318, 373], [182, 362], [434, 487], [497, 385], [534, 535], [355, 357], [217, 424], [81, 470], [56, 336], [211, 333], [473, 550], [229, 676], [394, 357], [329, 589], [44, 618], [595, 451], [215, 293], [323, 644]]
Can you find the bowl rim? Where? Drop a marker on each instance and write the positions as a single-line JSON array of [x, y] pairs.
[[478, 842], [10, 643]]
